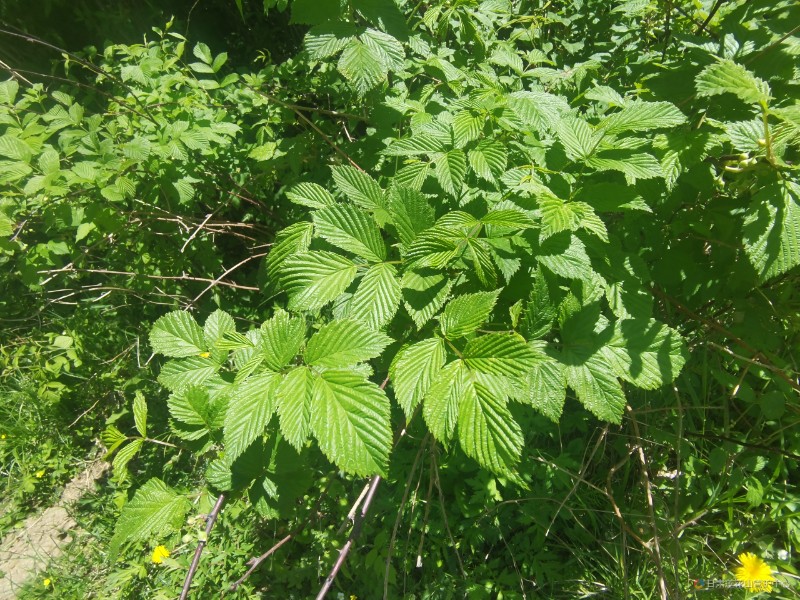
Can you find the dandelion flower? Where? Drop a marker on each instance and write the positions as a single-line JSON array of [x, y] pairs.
[[754, 573], [46, 583], [40, 474], [159, 554], [205, 354]]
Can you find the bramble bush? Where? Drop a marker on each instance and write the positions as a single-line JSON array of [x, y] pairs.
[[482, 212]]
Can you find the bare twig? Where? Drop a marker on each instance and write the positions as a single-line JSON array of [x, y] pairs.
[[711, 14], [168, 277], [219, 279], [196, 231], [256, 562], [354, 533], [212, 518], [444, 511]]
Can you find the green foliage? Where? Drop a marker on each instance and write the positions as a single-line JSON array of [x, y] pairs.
[[490, 207]]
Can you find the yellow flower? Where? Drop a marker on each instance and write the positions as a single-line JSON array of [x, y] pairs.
[[2, 436], [46, 582], [159, 554], [39, 474], [754, 573], [205, 354]]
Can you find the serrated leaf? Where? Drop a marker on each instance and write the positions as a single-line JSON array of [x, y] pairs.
[[344, 343], [410, 213], [546, 388], [377, 297], [499, 354], [772, 230], [311, 195], [359, 187], [15, 148], [293, 240], [154, 508], [645, 352], [577, 137], [350, 419], [216, 326], [362, 66], [250, 407], [350, 229], [440, 405], [633, 165], [177, 374], [422, 143], [466, 128], [282, 336], [727, 77], [597, 388], [177, 334], [424, 293], [539, 311], [140, 413], [643, 116], [451, 169], [565, 255], [464, 314], [538, 110], [488, 159], [413, 371], [196, 414], [294, 396], [313, 279], [324, 41], [123, 457], [487, 432], [387, 48]]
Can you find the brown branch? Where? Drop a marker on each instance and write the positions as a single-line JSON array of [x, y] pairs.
[[165, 277], [212, 518], [256, 562], [218, 280]]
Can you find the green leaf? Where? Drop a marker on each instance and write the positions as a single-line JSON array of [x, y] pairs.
[[359, 187], [539, 311], [424, 293], [313, 279], [633, 165], [377, 297], [597, 388], [324, 41], [645, 352], [202, 52], [487, 432], [177, 374], [565, 255], [727, 77], [488, 159], [538, 110], [440, 406], [577, 137], [250, 407], [772, 229], [464, 314], [351, 229], [154, 509], [293, 240], [350, 419], [196, 414], [410, 213], [450, 171], [467, 127], [294, 397], [643, 116], [15, 148], [413, 371], [311, 195], [282, 338], [546, 388], [344, 343], [418, 144], [383, 45], [499, 354], [123, 457], [177, 334], [362, 66], [140, 413], [216, 326]]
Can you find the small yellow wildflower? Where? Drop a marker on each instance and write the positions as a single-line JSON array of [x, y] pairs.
[[46, 582], [39, 474], [2, 436], [205, 354], [754, 573], [159, 554]]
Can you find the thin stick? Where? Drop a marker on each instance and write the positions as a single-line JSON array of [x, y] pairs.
[[710, 16], [167, 277], [662, 584], [219, 279], [256, 562], [354, 533], [444, 512], [196, 231], [212, 518]]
